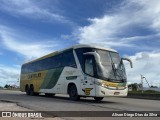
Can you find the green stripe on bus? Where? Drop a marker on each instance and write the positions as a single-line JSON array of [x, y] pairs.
[[51, 78]]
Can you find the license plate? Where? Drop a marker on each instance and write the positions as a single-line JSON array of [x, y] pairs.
[[116, 93]]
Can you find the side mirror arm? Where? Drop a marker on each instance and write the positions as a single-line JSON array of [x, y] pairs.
[[127, 59]]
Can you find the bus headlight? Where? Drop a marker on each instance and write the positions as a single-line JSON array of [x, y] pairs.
[[103, 85]]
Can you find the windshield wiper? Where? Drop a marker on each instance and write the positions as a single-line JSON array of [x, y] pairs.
[[116, 73], [114, 69]]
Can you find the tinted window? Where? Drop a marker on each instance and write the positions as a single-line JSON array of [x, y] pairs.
[[24, 69], [89, 66], [80, 55], [60, 60], [68, 59]]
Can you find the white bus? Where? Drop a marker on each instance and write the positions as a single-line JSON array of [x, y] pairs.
[[80, 71]]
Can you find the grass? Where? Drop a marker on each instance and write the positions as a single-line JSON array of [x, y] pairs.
[[144, 92]]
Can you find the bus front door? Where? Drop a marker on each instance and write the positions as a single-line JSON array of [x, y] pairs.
[[88, 80]]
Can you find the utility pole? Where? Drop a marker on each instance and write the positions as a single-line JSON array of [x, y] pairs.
[[142, 77], [147, 82], [142, 82]]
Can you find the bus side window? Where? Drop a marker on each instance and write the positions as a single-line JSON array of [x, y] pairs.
[[89, 65], [68, 59]]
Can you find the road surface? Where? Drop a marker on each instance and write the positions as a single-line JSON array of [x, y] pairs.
[[62, 103]]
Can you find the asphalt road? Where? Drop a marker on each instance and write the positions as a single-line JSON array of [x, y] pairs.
[[62, 103]]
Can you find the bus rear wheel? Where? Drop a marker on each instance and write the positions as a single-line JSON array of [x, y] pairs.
[[31, 90], [73, 93], [27, 91], [98, 98]]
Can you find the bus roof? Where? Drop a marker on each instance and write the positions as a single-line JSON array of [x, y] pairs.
[[73, 47], [92, 46]]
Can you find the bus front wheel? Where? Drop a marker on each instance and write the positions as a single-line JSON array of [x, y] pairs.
[[98, 98], [73, 93]]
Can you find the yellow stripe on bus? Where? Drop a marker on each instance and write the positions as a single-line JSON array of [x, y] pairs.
[[35, 78]]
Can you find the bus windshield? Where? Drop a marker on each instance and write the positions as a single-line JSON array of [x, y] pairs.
[[111, 67]]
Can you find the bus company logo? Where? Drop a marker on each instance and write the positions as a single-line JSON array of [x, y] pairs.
[[6, 114], [36, 75], [87, 90], [21, 114]]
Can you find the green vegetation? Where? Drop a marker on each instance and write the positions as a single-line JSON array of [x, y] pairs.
[[135, 86], [14, 89], [136, 89], [1, 87], [10, 87], [144, 92]]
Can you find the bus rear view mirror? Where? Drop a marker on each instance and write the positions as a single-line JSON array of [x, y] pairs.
[[127, 59], [96, 56]]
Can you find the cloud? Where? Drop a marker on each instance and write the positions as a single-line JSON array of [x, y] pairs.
[[149, 11], [135, 25], [146, 64], [17, 42], [101, 31], [9, 75], [32, 9], [131, 21], [14, 41]]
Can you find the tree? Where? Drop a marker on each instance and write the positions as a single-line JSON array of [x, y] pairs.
[[153, 86], [134, 86], [7, 86]]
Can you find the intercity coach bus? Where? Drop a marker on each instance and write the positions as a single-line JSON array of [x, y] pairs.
[[80, 71]]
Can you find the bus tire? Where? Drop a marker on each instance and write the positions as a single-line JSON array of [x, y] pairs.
[[31, 90], [98, 98], [73, 95], [27, 90]]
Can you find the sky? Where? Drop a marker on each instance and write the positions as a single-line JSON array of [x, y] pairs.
[[32, 28]]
